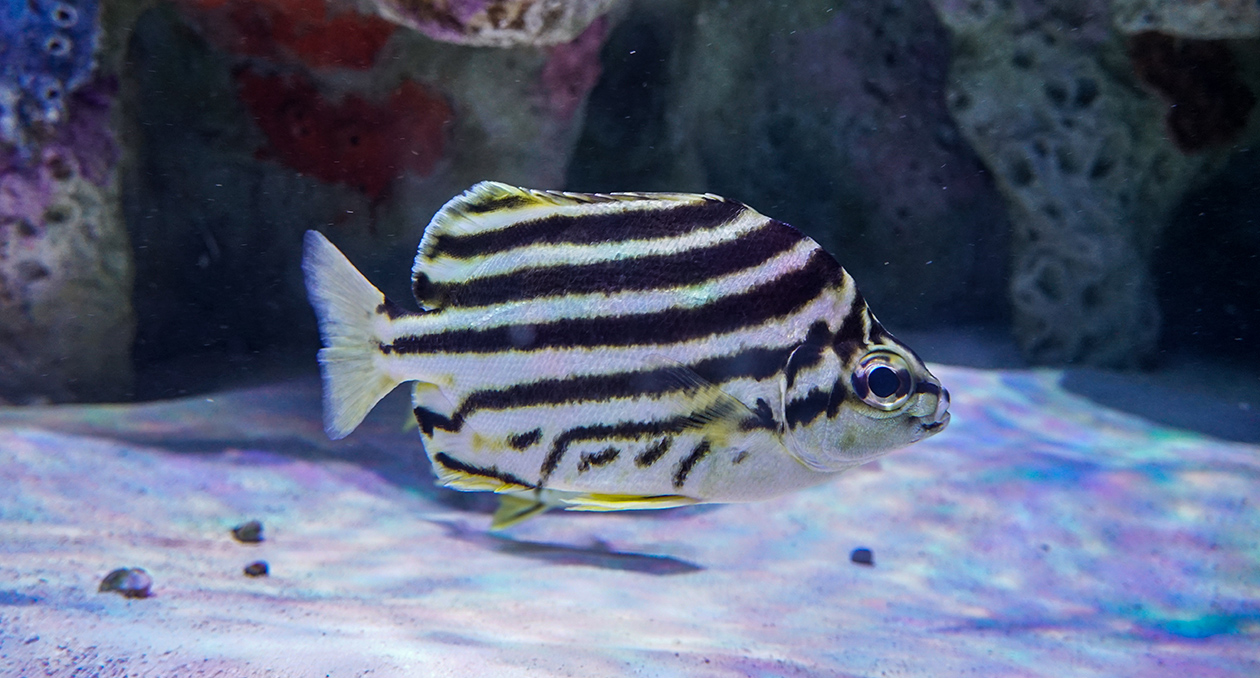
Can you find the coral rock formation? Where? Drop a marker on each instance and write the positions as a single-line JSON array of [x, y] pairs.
[[66, 319], [1049, 102], [496, 23], [46, 53], [1202, 19], [572, 69]]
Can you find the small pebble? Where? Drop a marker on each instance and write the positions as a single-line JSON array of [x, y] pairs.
[[248, 533], [130, 582], [863, 556], [258, 568]]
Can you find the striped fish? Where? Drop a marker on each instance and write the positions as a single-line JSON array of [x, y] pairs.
[[622, 351]]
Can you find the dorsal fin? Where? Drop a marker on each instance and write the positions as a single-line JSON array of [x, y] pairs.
[[491, 205], [492, 220]]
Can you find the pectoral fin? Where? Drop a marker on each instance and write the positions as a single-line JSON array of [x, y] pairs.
[[711, 408]]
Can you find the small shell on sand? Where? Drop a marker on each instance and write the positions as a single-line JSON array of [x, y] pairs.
[[130, 582], [248, 533]]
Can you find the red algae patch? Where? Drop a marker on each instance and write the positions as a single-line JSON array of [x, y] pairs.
[[302, 31], [353, 141]]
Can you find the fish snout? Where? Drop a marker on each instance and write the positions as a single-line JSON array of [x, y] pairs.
[[939, 418]]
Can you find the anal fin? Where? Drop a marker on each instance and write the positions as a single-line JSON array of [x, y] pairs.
[[624, 502], [515, 509]]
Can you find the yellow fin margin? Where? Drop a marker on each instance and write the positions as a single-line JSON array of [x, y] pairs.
[[516, 507], [469, 482], [624, 502]]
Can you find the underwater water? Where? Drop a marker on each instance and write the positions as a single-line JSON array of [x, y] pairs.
[[1053, 203]]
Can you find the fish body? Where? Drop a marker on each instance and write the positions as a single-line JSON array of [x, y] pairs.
[[621, 351]]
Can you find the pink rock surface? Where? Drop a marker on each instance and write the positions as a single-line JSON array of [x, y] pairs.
[[1041, 535], [572, 69]]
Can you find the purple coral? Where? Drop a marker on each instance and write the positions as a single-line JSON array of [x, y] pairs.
[[83, 145], [46, 54]]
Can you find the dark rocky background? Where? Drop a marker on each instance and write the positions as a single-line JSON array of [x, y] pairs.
[[1063, 182]]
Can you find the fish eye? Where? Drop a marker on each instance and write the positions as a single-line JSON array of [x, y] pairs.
[[883, 380]]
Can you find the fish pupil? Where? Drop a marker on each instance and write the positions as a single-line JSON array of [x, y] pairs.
[[883, 381]]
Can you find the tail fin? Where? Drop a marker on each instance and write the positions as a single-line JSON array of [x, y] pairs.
[[345, 303]]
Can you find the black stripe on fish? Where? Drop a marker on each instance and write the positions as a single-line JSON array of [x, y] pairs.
[[852, 334], [601, 458], [683, 268], [523, 441], [809, 353], [805, 410], [838, 394], [775, 299], [626, 430], [755, 363], [877, 334], [590, 229], [699, 452], [454, 464], [928, 387], [430, 421], [658, 449], [391, 309], [761, 417]]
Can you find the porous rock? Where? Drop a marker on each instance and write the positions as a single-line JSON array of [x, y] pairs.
[[47, 50], [1201, 19], [66, 319], [1045, 93], [495, 23]]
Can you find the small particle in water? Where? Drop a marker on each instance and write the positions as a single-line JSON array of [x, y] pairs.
[[258, 568], [863, 556], [130, 582], [248, 533]]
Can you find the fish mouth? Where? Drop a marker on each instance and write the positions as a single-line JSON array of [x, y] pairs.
[[935, 426], [940, 418]]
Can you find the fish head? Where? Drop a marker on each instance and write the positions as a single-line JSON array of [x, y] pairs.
[[880, 397]]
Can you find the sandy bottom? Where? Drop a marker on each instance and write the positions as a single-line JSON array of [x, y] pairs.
[[1041, 535]]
